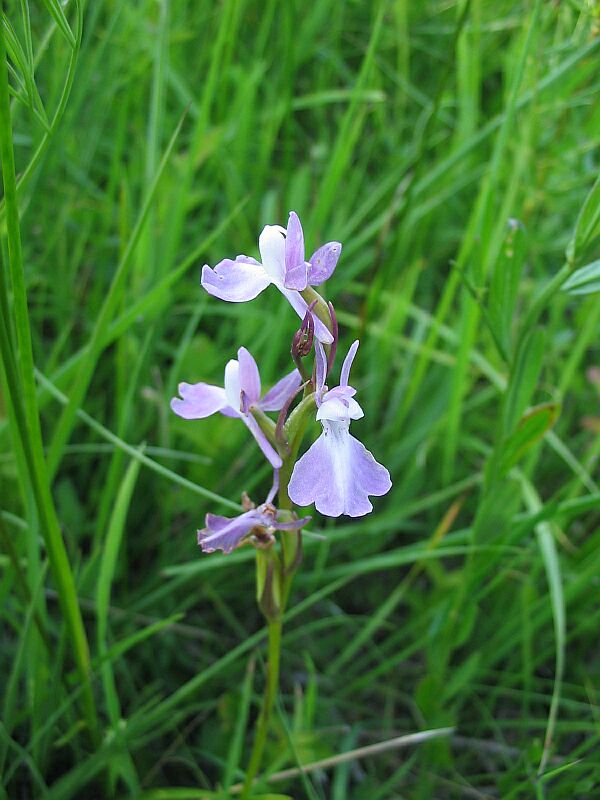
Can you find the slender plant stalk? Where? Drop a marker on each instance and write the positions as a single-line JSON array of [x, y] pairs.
[[262, 726], [288, 564]]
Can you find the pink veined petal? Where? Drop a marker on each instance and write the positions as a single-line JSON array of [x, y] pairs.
[[345, 374], [224, 533], [249, 376], [271, 244], [235, 281], [320, 368], [299, 304], [295, 266], [338, 474], [272, 456], [323, 262], [275, 398], [199, 400]]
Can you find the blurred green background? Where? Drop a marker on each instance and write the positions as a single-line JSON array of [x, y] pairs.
[[450, 147]]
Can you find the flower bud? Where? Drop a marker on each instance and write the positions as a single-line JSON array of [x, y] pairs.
[[303, 338]]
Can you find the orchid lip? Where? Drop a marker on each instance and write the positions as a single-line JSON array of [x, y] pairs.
[[337, 473]]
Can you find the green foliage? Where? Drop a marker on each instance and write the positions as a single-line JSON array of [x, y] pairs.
[[453, 149], [585, 280]]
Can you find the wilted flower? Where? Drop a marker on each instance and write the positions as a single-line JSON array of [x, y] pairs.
[[241, 393], [283, 264], [337, 473], [225, 533]]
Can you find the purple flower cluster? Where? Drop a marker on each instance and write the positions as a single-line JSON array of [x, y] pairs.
[[337, 473]]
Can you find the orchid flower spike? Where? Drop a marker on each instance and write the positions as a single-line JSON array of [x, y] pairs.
[[337, 473], [225, 533], [283, 264], [241, 393]]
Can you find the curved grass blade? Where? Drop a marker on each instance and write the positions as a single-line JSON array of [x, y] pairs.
[[17, 355]]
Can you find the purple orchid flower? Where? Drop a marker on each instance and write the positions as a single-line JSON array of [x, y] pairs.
[[240, 394], [337, 473], [283, 264], [226, 533]]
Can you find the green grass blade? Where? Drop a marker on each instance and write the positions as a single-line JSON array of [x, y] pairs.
[[23, 393], [112, 544], [105, 316]]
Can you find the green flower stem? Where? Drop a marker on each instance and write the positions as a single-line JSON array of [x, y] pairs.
[[290, 543], [284, 567], [295, 428], [262, 726]]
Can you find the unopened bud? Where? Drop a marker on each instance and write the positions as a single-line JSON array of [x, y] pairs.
[[303, 338]]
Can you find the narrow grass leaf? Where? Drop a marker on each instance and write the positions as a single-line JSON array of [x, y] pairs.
[[108, 563], [524, 377], [235, 752], [587, 227], [530, 430], [585, 280]]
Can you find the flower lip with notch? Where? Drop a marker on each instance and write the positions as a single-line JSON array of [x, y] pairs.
[[283, 264], [337, 473], [239, 395], [226, 533]]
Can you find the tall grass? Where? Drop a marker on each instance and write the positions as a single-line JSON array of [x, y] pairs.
[[451, 148]]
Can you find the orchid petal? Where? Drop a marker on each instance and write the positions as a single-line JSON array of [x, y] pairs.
[[339, 407], [323, 262], [271, 244], [200, 400], [338, 474], [348, 363], [295, 266], [339, 391], [320, 368], [296, 277], [223, 533], [249, 376], [273, 457], [276, 397], [300, 306], [235, 281], [233, 388]]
